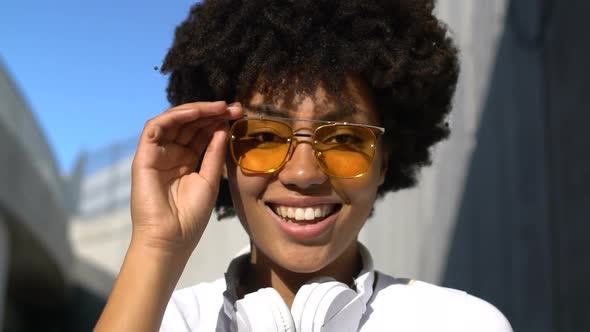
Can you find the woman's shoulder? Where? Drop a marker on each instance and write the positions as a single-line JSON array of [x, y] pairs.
[[205, 291], [419, 306], [194, 307]]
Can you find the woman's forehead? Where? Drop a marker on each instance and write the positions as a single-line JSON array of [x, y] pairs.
[[354, 103]]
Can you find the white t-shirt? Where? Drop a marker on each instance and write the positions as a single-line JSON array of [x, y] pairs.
[[391, 305]]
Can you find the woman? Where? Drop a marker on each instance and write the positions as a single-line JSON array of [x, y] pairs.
[[331, 105]]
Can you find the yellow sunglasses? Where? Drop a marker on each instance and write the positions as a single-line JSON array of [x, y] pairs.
[[265, 144]]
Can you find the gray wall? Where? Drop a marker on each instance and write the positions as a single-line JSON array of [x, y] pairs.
[[4, 263], [411, 230], [504, 212], [520, 237], [35, 259], [567, 99], [31, 191]]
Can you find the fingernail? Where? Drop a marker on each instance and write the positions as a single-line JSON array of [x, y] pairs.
[[234, 106]]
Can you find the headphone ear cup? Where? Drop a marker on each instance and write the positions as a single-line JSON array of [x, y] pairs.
[[327, 305], [300, 302], [263, 310]]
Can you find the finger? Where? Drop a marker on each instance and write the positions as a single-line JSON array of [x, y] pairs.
[[165, 155], [182, 136], [165, 127], [203, 120], [214, 157], [190, 130], [235, 106], [152, 137], [169, 157], [201, 139]]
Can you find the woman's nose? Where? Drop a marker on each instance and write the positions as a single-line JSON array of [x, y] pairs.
[[302, 169]]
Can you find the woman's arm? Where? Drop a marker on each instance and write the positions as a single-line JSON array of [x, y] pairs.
[[170, 207]]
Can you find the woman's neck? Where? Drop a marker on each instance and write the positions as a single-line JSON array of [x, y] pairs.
[[262, 272]]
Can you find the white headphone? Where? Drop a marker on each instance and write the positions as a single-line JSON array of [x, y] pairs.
[[322, 304]]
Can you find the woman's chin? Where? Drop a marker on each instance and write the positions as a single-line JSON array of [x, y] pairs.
[[305, 261]]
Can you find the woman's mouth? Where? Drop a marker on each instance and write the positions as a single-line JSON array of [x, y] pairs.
[[304, 215], [305, 223]]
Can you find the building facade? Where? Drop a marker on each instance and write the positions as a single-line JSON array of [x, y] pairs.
[[35, 254]]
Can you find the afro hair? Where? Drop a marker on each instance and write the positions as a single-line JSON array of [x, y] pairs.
[[226, 49]]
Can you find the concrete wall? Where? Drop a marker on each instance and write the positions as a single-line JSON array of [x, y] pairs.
[[503, 212], [520, 237], [35, 259], [411, 230], [500, 249], [4, 264], [31, 189], [566, 95]]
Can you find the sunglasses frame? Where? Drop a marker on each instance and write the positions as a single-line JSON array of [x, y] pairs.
[[375, 130]]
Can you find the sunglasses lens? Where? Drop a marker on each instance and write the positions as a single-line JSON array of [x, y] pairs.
[[345, 150], [260, 145], [342, 150]]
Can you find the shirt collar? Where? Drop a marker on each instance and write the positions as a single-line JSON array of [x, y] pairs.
[[363, 282]]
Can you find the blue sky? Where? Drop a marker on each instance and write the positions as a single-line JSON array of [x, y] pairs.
[[86, 68]]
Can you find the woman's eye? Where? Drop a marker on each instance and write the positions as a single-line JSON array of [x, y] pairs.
[[265, 137], [343, 139]]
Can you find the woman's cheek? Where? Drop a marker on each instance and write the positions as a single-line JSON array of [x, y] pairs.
[[361, 188]]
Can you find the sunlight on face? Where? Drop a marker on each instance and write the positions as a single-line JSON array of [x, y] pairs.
[[299, 218]]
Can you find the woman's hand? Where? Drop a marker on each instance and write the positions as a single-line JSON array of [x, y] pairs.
[[171, 202], [170, 207]]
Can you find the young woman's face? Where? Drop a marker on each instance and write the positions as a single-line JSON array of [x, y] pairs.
[[340, 206]]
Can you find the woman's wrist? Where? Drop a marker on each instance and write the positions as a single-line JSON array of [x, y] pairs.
[[143, 288], [166, 250], [159, 246]]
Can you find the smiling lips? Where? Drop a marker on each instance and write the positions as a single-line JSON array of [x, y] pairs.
[[305, 222], [303, 215]]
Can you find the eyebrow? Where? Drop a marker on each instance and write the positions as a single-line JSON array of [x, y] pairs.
[[267, 110], [271, 110]]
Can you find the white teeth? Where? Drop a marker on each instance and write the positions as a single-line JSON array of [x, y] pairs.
[[301, 213], [318, 213]]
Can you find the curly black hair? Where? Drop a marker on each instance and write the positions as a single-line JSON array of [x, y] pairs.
[[226, 49]]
